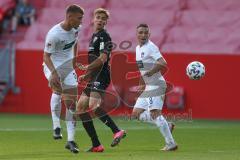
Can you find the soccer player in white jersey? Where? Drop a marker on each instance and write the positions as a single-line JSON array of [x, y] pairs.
[[149, 104], [59, 62]]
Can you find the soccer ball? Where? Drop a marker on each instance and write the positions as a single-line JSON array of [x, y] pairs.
[[195, 70]]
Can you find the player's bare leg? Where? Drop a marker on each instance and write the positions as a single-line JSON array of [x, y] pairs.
[[136, 113]]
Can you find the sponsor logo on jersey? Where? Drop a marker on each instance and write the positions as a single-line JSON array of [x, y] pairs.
[[101, 46], [69, 45], [142, 54]]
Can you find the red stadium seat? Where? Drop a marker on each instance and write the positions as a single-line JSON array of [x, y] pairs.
[[195, 18], [214, 5], [142, 4], [191, 26]]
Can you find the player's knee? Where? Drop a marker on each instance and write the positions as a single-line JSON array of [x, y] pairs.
[[135, 114], [94, 103], [155, 113], [145, 117], [56, 91], [82, 105]]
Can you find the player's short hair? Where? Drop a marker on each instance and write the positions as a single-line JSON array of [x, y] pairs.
[[102, 10], [74, 9], [143, 25]]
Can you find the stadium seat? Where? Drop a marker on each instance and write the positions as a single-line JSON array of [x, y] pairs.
[[195, 18], [195, 48], [214, 5], [141, 4], [176, 26], [87, 5]]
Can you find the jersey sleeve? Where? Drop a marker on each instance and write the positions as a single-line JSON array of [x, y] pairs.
[[51, 43], [105, 44], [155, 53]]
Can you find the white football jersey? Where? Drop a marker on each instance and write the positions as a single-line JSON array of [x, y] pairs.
[[60, 43], [146, 57]]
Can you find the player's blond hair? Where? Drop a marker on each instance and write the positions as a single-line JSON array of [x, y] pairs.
[[102, 10]]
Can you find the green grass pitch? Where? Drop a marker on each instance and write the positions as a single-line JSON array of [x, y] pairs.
[[29, 137]]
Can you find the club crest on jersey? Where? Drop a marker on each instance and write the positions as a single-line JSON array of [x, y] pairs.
[[142, 54], [49, 45], [76, 34]]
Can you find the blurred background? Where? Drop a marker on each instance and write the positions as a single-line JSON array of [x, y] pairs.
[[185, 30]]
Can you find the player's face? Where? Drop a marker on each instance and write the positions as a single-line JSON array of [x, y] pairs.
[[99, 21], [75, 19], [143, 35]]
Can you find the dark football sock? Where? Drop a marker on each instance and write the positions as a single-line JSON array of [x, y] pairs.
[[106, 119], [90, 129]]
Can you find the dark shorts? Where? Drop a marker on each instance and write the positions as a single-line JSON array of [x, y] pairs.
[[96, 86]]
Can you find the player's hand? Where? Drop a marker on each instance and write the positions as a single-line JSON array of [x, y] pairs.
[[140, 89], [148, 74], [81, 67], [81, 78], [54, 81]]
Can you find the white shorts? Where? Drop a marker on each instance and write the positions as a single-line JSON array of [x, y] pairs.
[[151, 100], [68, 79], [150, 103]]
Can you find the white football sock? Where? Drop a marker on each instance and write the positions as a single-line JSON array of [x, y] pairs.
[[55, 104], [71, 124], [161, 122]]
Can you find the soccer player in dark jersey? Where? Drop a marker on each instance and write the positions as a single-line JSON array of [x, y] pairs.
[[99, 74]]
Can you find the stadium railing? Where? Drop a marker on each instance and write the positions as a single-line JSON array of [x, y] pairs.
[[7, 71]]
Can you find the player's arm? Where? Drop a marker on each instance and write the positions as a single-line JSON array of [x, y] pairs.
[[54, 78], [50, 47], [85, 77], [159, 66], [75, 54], [141, 85], [47, 60], [160, 63], [95, 65], [105, 50], [98, 63]]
